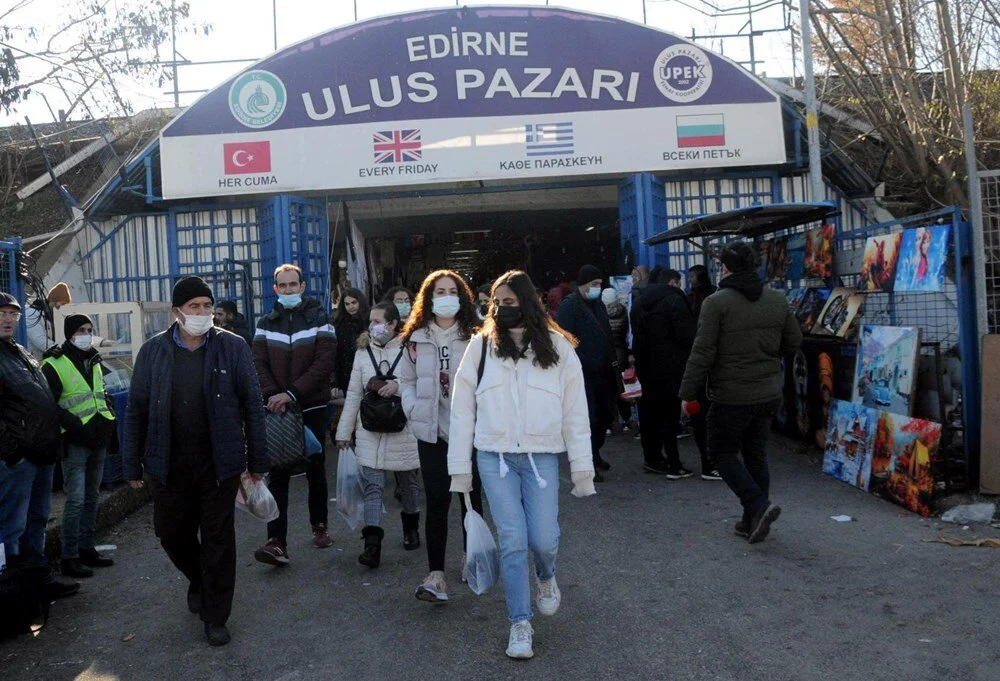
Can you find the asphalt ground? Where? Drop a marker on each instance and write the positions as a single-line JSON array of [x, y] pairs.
[[655, 586]]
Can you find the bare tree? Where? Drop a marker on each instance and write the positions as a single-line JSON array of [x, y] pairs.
[[909, 66], [93, 46]]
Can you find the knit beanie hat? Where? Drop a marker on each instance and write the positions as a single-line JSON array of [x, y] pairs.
[[59, 295], [587, 274], [187, 288], [74, 322]]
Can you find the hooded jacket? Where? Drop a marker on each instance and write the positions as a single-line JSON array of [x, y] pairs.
[[420, 382], [743, 331], [588, 322], [383, 451], [663, 330], [29, 416], [294, 351]]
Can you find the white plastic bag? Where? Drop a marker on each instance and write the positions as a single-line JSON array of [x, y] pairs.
[[255, 498], [482, 562], [350, 494]]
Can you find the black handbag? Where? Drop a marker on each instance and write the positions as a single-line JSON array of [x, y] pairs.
[[382, 414], [286, 437]]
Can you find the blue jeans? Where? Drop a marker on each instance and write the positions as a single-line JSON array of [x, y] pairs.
[[526, 516], [15, 492], [82, 469]]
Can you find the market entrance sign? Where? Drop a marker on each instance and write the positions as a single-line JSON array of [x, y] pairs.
[[470, 94]]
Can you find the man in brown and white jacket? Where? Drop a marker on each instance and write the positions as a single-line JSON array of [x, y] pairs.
[[294, 350]]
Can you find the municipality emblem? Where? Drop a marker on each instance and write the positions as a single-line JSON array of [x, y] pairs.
[[257, 99], [683, 73]]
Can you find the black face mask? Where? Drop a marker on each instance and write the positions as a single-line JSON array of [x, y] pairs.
[[484, 308], [508, 317]]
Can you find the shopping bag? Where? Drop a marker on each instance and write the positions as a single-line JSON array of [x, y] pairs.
[[313, 446], [256, 499], [286, 443], [482, 561], [350, 495]]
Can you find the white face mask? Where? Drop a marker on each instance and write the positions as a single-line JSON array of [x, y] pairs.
[[446, 307], [197, 325], [82, 342]]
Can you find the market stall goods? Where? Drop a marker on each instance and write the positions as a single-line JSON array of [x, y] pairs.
[[886, 368]]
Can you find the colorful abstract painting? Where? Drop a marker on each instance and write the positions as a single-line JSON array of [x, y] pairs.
[[839, 313], [810, 307], [923, 253], [819, 252], [878, 267], [794, 297], [850, 438], [903, 451], [887, 367], [777, 258]]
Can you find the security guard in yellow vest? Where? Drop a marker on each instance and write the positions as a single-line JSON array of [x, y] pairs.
[[75, 375]]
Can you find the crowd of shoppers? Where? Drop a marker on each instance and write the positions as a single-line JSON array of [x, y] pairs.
[[492, 388]]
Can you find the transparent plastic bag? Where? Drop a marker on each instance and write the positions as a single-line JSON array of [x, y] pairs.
[[482, 562], [350, 494], [313, 446], [256, 499]]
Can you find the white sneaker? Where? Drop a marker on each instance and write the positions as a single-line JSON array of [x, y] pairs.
[[549, 597], [519, 645], [434, 589]]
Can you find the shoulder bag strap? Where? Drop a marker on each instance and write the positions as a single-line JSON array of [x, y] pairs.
[[392, 369], [371, 356], [482, 362]]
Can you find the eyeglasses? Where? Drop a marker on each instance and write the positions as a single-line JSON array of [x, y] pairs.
[[4, 314]]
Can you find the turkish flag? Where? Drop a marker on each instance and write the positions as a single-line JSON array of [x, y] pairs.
[[247, 157]]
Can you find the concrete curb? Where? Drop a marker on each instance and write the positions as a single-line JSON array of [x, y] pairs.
[[113, 507]]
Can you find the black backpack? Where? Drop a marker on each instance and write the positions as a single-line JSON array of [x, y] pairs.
[[382, 414], [22, 596]]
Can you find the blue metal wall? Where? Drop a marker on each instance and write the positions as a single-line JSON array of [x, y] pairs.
[[10, 282]]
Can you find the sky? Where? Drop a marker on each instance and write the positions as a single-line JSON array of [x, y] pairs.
[[243, 29]]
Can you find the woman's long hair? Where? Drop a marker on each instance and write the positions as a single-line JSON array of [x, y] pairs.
[[391, 293], [363, 308], [537, 323], [422, 313]]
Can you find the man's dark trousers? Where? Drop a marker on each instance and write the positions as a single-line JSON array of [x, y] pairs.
[[659, 414], [733, 429], [193, 502], [314, 420]]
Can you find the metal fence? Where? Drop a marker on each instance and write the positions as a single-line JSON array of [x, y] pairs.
[[989, 265], [10, 282]]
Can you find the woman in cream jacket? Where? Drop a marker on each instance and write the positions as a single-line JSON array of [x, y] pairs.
[[380, 452], [528, 408]]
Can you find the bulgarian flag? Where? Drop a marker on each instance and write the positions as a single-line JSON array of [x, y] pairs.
[[706, 130]]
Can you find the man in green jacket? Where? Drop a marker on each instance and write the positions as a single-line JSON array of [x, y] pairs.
[[743, 332]]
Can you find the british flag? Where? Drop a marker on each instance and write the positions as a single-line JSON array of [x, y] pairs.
[[397, 146]]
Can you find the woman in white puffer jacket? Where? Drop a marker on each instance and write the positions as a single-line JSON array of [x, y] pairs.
[[520, 401], [379, 452]]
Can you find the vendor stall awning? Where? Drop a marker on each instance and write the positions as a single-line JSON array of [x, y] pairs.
[[749, 222]]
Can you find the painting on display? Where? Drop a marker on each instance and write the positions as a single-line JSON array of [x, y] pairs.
[[850, 439], [810, 307], [886, 367], [818, 256], [923, 253], [764, 253], [794, 297], [796, 256], [820, 372], [839, 313], [878, 267], [777, 258], [904, 449]]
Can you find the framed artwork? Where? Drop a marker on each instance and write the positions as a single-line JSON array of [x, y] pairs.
[[838, 314], [903, 451], [818, 259], [850, 439], [886, 367], [923, 253], [878, 267]]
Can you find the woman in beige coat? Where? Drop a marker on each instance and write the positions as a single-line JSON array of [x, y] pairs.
[[380, 351]]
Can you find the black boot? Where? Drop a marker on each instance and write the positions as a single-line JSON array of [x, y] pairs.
[[72, 567], [411, 530], [372, 555], [91, 558]]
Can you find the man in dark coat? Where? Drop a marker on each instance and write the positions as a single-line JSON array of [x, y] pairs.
[[29, 447], [743, 332], [195, 422], [294, 351], [230, 319], [663, 329], [702, 288], [583, 314]]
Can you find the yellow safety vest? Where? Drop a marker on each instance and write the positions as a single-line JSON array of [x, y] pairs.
[[77, 397]]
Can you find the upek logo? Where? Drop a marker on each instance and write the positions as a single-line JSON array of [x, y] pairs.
[[683, 73], [257, 99]]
